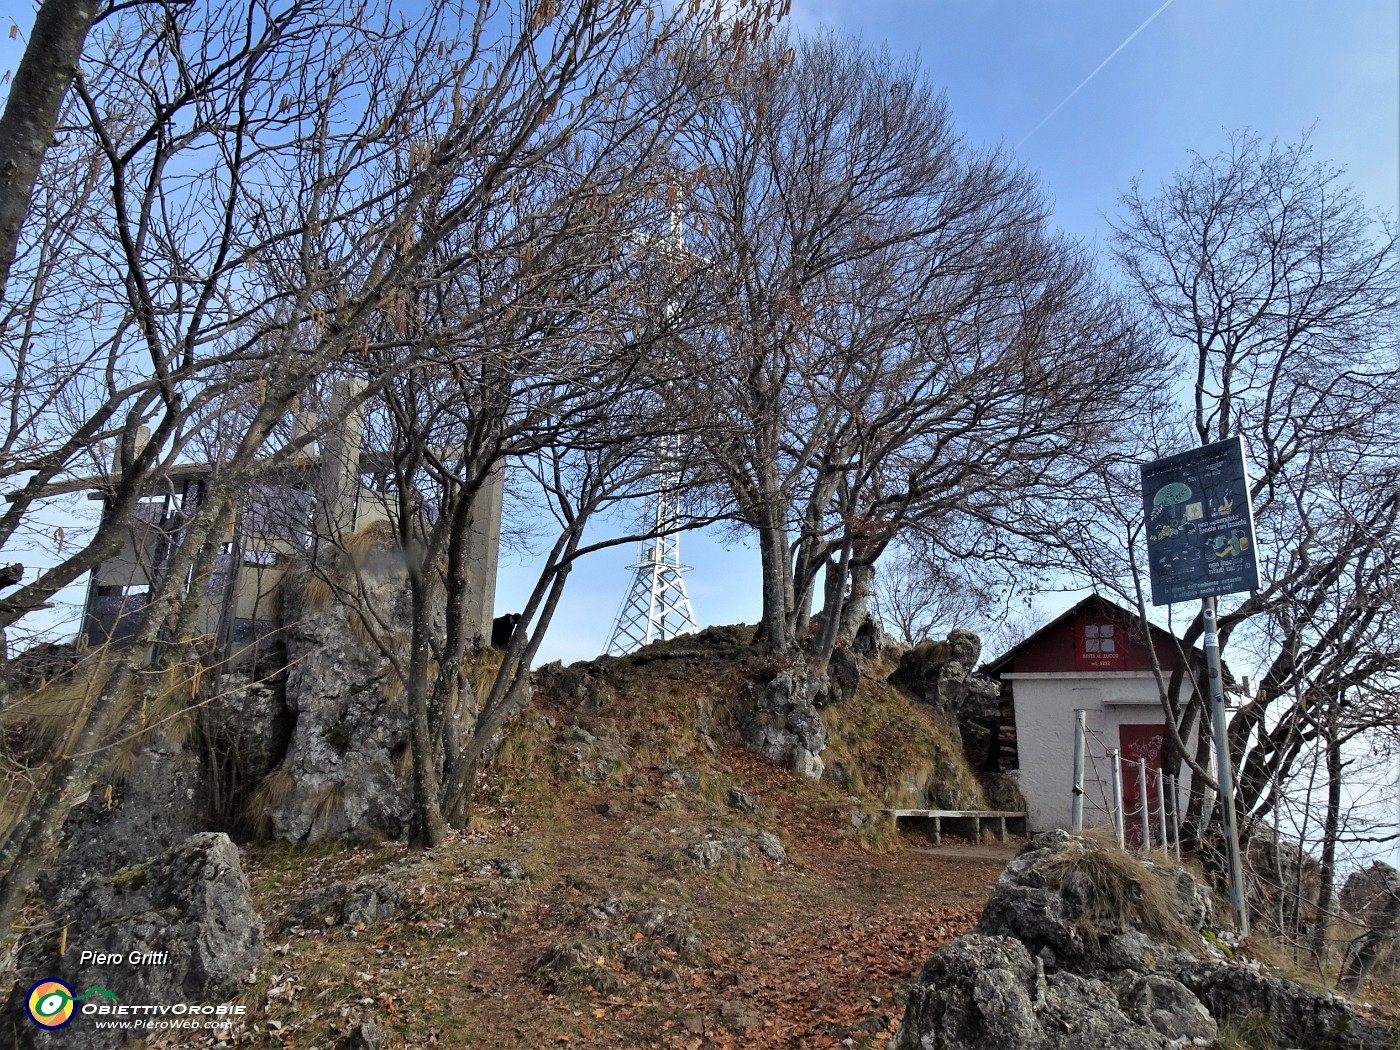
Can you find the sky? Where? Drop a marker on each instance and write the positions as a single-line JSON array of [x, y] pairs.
[[1088, 95]]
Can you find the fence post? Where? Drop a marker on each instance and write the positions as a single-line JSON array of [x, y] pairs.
[[1161, 811], [1176, 817], [1118, 830], [1142, 804], [1076, 805]]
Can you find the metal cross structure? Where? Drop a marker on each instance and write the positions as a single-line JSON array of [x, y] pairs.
[[657, 606]]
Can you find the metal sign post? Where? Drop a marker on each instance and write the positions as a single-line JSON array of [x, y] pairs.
[[1223, 773], [1200, 544]]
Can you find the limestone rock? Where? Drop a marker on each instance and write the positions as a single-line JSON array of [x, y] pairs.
[[780, 721], [873, 642], [1168, 1006], [842, 677], [598, 751], [343, 765], [249, 724], [1085, 947], [942, 675], [187, 911], [741, 800], [162, 801], [367, 1034], [1065, 918], [708, 849], [1300, 1016], [985, 993]]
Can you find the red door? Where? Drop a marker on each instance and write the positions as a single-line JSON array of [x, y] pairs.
[[1135, 742]]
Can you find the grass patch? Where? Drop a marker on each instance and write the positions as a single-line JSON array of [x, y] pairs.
[[896, 750], [1254, 1031], [132, 878]]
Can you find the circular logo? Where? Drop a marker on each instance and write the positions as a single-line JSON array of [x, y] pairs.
[[50, 1004]]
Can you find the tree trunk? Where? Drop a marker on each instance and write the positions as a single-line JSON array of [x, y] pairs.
[[31, 113], [1330, 827], [777, 583], [426, 825], [853, 608]]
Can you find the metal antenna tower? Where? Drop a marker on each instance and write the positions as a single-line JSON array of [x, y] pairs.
[[657, 606]]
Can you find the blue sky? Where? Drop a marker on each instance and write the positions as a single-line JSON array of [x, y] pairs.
[[1196, 70]]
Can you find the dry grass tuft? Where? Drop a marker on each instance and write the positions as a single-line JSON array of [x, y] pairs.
[[369, 540], [480, 668], [271, 794], [1254, 1031], [330, 801], [317, 592], [1113, 890], [123, 759], [48, 712]]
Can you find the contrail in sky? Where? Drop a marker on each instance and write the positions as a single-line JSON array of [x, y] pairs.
[[1065, 101]]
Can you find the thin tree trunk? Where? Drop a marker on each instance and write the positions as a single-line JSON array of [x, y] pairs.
[[1330, 827], [426, 826], [31, 113]]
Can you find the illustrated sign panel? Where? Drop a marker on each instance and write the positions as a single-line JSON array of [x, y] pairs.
[[1200, 526]]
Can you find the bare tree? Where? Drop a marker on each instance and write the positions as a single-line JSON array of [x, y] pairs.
[[1279, 290], [907, 346], [31, 111], [239, 194]]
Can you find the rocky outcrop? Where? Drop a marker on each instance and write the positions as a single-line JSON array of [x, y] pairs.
[[1371, 898], [779, 719], [987, 993], [1081, 946], [161, 801], [942, 675], [344, 771], [177, 928]]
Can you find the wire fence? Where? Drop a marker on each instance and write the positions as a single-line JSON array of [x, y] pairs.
[[1127, 795]]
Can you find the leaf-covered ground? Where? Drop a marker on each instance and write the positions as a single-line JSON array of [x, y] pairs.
[[814, 952]]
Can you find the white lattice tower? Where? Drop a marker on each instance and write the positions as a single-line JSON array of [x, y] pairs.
[[657, 606]]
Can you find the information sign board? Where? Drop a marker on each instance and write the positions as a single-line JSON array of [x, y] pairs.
[[1200, 525]]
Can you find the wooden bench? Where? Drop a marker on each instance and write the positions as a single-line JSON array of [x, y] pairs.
[[972, 820]]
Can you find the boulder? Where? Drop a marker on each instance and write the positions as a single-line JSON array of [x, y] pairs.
[[1085, 946], [987, 993], [1371, 899], [181, 924], [1078, 904], [873, 642], [942, 675], [162, 800]]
